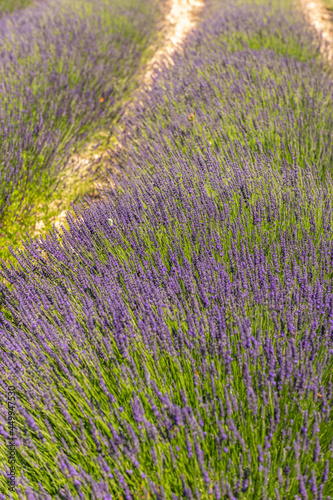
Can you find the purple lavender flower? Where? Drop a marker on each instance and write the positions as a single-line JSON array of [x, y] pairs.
[[206, 309]]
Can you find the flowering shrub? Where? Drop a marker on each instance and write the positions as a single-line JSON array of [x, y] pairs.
[[252, 79], [64, 69], [184, 349]]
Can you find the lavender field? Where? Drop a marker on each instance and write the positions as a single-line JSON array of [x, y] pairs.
[[65, 69], [175, 340]]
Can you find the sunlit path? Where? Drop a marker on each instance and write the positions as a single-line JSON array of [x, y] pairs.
[[180, 21], [319, 17]]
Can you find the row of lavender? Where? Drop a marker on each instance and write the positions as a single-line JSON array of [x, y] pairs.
[[176, 342], [64, 68]]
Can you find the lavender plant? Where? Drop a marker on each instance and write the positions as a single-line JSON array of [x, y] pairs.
[[176, 341], [65, 68], [185, 349], [252, 79]]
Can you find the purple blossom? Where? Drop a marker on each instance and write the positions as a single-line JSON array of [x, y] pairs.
[[206, 309]]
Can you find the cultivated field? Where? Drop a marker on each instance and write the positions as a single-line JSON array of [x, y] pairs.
[[174, 340]]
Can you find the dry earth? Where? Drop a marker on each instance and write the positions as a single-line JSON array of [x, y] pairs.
[[181, 17], [321, 19]]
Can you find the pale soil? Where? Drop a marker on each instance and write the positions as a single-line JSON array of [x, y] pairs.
[[321, 19], [180, 20], [181, 17]]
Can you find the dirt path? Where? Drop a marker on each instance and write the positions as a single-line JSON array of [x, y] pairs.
[[321, 19], [181, 17]]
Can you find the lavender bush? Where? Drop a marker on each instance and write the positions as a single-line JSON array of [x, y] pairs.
[[256, 80], [176, 341], [64, 69], [329, 4]]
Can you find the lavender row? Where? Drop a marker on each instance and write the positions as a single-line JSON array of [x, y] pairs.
[[176, 341], [165, 342], [64, 68], [243, 77]]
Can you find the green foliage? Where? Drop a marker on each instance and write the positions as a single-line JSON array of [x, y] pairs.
[[8, 6], [329, 4], [80, 408], [46, 181]]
